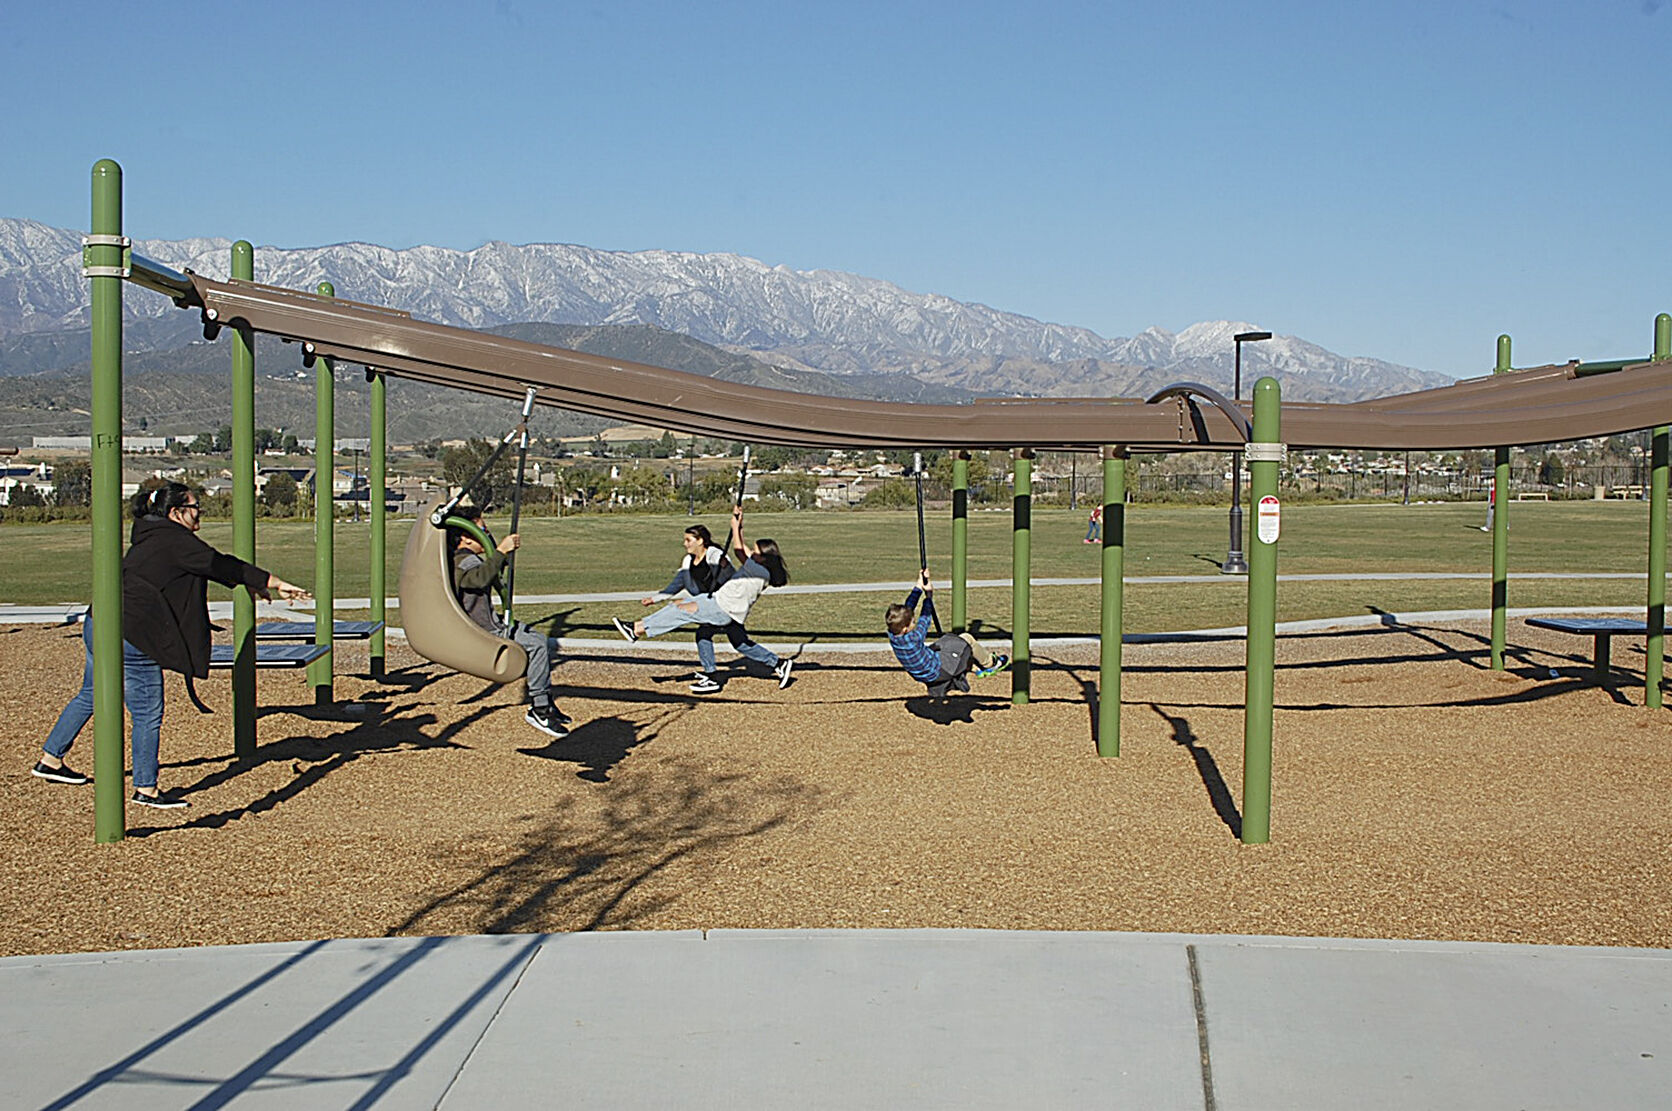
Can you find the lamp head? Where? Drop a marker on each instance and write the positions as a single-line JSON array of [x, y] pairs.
[[1250, 337]]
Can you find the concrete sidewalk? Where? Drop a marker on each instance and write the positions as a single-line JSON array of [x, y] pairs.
[[841, 1019]]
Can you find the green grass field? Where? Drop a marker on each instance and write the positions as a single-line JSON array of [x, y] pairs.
[[590, 554]]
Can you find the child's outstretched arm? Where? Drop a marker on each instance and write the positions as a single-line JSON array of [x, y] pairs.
[[739, 545]]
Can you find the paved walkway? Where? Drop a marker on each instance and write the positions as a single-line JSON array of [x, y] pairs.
[[840, 1019], [66, 612]]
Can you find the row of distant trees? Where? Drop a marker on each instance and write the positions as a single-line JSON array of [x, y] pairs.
[[219, 442], [652, 487]]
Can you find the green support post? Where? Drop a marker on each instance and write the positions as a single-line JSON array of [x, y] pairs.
[[325, 518], [1114, 600], [1021, 657], [1655, 669], [378, 477], [960, 540], [1264, 453], [105, 263], [243, 518], [1500, 533]]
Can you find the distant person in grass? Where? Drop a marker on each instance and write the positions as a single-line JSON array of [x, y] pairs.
[[165, 624], [475, 576], [1094, 525], [946, 664], [703, 571], [730, 602]]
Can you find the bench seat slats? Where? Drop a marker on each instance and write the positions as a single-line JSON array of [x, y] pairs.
[[271, 655]]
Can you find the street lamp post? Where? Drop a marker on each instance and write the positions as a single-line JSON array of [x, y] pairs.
[[1235, 564], [356, 494]]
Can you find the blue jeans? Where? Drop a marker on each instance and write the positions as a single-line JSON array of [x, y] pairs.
[[735, 632], [142, 690], [709, 616]]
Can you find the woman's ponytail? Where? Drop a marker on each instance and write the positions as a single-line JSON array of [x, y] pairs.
[[161, 499]]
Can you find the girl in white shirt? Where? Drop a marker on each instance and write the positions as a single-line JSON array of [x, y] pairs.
[[763, 566]]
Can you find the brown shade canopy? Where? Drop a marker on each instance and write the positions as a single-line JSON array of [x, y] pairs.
[[1541, 405]]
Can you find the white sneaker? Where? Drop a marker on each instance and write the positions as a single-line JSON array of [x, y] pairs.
[[704, 684], [782, 671], [545, 723]]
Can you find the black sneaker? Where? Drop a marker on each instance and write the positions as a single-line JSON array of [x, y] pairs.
[[63, 773], [558, 715], [625, 630], [704, 684], [161, 800], [545, 723], [782, 671]]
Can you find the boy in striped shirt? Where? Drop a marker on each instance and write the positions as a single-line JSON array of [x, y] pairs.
[[946, 664]]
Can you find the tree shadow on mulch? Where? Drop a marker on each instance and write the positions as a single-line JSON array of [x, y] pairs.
[[383, 730], [587, 871]]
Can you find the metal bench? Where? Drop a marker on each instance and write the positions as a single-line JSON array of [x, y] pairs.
[[304, 630], [1600, 629], [271, 655]]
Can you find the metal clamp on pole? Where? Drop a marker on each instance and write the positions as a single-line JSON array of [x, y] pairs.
[[88, 242], [1266, 452]]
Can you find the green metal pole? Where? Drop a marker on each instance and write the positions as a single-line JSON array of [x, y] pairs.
[[325, 518], [1114, 599], [1021, 572], [1263, 454], [1655, 669], [104, 258], [379, 518], [1500, 532], [243, 518], [960, 540]]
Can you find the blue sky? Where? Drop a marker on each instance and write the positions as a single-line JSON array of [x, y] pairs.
[[1403, 181]]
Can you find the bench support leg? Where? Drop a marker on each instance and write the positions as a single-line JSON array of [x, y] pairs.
[[1600, 657]]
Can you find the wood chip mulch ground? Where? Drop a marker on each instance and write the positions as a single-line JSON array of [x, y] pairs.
[[1417, 794]]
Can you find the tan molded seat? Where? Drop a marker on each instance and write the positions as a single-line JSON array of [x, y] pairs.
[[436, 625]]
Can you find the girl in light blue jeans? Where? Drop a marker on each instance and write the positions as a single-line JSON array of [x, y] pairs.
[[763, 566], [706, 612]]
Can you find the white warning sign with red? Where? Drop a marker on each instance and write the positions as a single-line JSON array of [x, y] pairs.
[[1268, 519]]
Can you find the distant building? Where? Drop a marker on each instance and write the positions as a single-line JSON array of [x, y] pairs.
[[9, 486], [342, 446], [136, 444]]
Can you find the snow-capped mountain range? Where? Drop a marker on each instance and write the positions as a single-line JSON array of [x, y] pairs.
[[820, 319]]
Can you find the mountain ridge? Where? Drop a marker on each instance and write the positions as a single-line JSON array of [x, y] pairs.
[[824, 321]]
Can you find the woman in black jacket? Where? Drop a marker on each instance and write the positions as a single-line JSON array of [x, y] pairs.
[[165, 624]]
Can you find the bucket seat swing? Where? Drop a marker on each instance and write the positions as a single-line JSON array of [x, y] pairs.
[[436, 625]]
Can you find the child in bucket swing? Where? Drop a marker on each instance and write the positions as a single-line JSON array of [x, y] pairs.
[[475, 575], [763, 566], [944, 665]]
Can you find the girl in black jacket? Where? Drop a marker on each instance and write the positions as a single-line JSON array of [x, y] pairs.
[[165, 624]]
